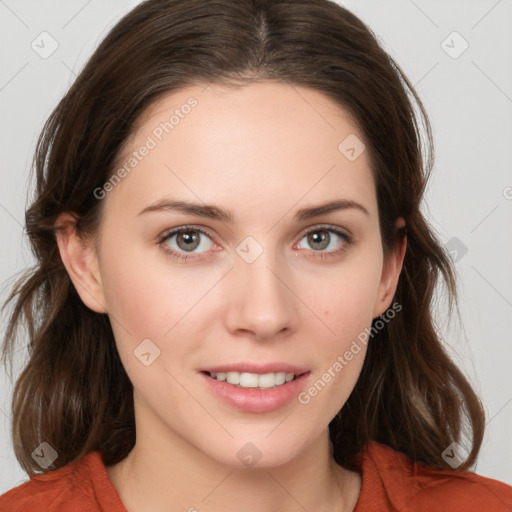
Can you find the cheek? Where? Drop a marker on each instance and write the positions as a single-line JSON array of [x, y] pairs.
[[340, 354], [346, 303], [139, 300], [151, 298], [146, 293], [343, 298]]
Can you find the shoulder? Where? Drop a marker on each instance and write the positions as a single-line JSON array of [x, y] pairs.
[[81, 486], [391, 478]]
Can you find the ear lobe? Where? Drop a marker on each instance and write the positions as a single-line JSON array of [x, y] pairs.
[[391, 270], [80, 259]]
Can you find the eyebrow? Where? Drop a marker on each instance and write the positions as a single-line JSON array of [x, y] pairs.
[[217, 213]]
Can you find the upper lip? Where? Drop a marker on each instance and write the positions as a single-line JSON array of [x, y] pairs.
[[261, 369]]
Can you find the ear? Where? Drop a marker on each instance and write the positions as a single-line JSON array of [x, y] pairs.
[[391, 270], [80, 258]]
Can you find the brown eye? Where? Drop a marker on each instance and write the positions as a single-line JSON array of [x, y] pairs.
[[187, 240]]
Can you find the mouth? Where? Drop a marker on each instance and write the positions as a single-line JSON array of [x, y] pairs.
[[254, 380], [255, 388]]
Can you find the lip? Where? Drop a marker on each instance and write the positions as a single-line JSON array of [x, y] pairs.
[[260, 369], [252, 399]]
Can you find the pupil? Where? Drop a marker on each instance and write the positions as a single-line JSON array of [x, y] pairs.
[[319, 239], [188, 239]]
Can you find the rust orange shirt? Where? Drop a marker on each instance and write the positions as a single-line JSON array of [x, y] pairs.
[[390, 482]]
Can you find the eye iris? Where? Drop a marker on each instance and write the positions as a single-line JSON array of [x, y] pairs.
[[320, 238], [188, 239]]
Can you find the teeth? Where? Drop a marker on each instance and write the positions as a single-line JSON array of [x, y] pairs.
[[253, 380]]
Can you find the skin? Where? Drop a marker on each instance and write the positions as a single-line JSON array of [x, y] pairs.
[[262, 151]]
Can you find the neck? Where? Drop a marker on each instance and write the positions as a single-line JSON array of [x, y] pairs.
[[163, 471]]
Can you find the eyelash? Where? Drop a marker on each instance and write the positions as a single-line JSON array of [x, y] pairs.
[[318, 254]]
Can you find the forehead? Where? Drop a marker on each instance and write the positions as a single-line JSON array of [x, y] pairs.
[[262, 141]]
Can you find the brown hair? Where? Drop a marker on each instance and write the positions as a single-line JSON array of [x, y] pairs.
[[74, 392]]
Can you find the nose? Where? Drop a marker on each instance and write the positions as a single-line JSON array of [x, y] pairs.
[[261, 301]]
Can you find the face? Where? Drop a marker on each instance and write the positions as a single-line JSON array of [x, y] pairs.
[[270, 286]]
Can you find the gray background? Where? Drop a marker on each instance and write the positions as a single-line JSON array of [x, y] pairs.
[[468, 96]]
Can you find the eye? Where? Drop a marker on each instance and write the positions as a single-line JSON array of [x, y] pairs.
[[182, 242], [326, 237]]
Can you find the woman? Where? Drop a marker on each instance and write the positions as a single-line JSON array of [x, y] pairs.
[[232, 302]]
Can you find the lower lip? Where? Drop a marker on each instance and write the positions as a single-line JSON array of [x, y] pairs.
[[255, 399]]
